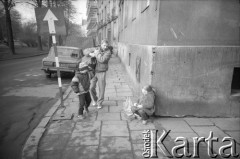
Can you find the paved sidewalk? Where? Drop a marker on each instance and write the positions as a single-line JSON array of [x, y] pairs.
[[107, 134]]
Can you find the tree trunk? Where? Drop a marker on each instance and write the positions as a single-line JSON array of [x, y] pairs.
[[49, 42], [60, 40], [9, 28], [40, 43]]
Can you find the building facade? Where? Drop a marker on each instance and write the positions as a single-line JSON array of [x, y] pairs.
[[187, 50], [108, 21], [92, 10]]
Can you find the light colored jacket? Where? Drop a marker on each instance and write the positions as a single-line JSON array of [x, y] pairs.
[[147, 101]]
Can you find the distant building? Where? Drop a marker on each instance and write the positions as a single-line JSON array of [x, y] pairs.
[[189, 51], [107, 21], [92, 19]]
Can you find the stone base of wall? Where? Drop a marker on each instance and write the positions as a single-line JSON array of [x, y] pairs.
[[190, 81]]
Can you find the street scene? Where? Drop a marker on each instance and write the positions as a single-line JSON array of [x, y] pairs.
[[119, 79]]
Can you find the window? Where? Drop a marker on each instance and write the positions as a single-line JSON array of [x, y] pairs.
[[235, 87], [145, 4], [129, 59], [134, 9], [125, 13]]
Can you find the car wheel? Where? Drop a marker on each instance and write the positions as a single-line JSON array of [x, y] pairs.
[[48, 75]]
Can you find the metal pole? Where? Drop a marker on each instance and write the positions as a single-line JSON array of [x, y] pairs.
[[57, 66]]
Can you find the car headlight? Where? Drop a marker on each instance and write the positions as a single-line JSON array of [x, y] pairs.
[[73, 65], [47, 63]]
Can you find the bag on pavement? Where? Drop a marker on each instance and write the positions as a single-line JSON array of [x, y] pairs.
[[127, 106]]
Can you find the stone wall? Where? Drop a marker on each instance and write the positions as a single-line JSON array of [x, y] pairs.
[[189, 80]]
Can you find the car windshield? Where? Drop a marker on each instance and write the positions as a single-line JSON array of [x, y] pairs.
[[66, 52]]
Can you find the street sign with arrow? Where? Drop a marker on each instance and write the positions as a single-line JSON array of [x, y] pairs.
[[52, 30], [47, 17], [50, 18]]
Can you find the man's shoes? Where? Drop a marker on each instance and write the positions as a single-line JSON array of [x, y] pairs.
[[99, 106], [80, 117], [144, 122], [94, 103]]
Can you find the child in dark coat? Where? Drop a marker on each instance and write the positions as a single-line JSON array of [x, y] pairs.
[[80, 85], [145, 105]]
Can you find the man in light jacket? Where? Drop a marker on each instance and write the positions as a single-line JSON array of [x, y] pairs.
[[102, 55]]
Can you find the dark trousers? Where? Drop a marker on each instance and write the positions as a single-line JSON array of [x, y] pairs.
[[84, 101], [140, 112]]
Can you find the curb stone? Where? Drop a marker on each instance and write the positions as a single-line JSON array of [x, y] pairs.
[[24, 57], [29, 150]]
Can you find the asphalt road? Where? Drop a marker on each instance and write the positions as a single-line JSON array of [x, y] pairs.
[[25, 96]]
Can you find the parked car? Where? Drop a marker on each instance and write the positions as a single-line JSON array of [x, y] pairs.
[[69, 59]]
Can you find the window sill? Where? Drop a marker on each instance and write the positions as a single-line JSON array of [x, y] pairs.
[[145, 9]]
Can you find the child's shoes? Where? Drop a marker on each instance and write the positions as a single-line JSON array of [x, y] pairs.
[[138, 116], [86, 113], [144, 122], [80, 117], [99, 106], [94, 103]]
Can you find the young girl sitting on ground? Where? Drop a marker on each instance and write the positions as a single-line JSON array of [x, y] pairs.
[[145, 105]]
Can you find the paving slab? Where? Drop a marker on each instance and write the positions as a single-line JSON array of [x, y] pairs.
[[62, 117], [117, 98], [75, 99], [110, 94], [54, 142], [91, 117], [175, 125], [109, 102], [82, 152], [125, 155], [114, 122], [202, 149], [234, 134], [115, 109], [61, 127], [115, 145], [59, 111], [120, 103], [87, 126], [108, 116], [137, 125], [227, 123], [84, 138], [123, 90], [30, 152], [137, 136], [56, 154], [204, 131], [188, 136], [124, 94], [110, 90], [125, 86], [219, 144], [104, 109], [115, 130], [138, 152], [124, 116], [72, 108], [198, 121]]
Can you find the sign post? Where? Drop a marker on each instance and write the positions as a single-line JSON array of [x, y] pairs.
[[50, 18]]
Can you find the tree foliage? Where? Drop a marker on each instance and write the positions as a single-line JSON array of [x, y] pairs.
[[8, 5], [16, 24]]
